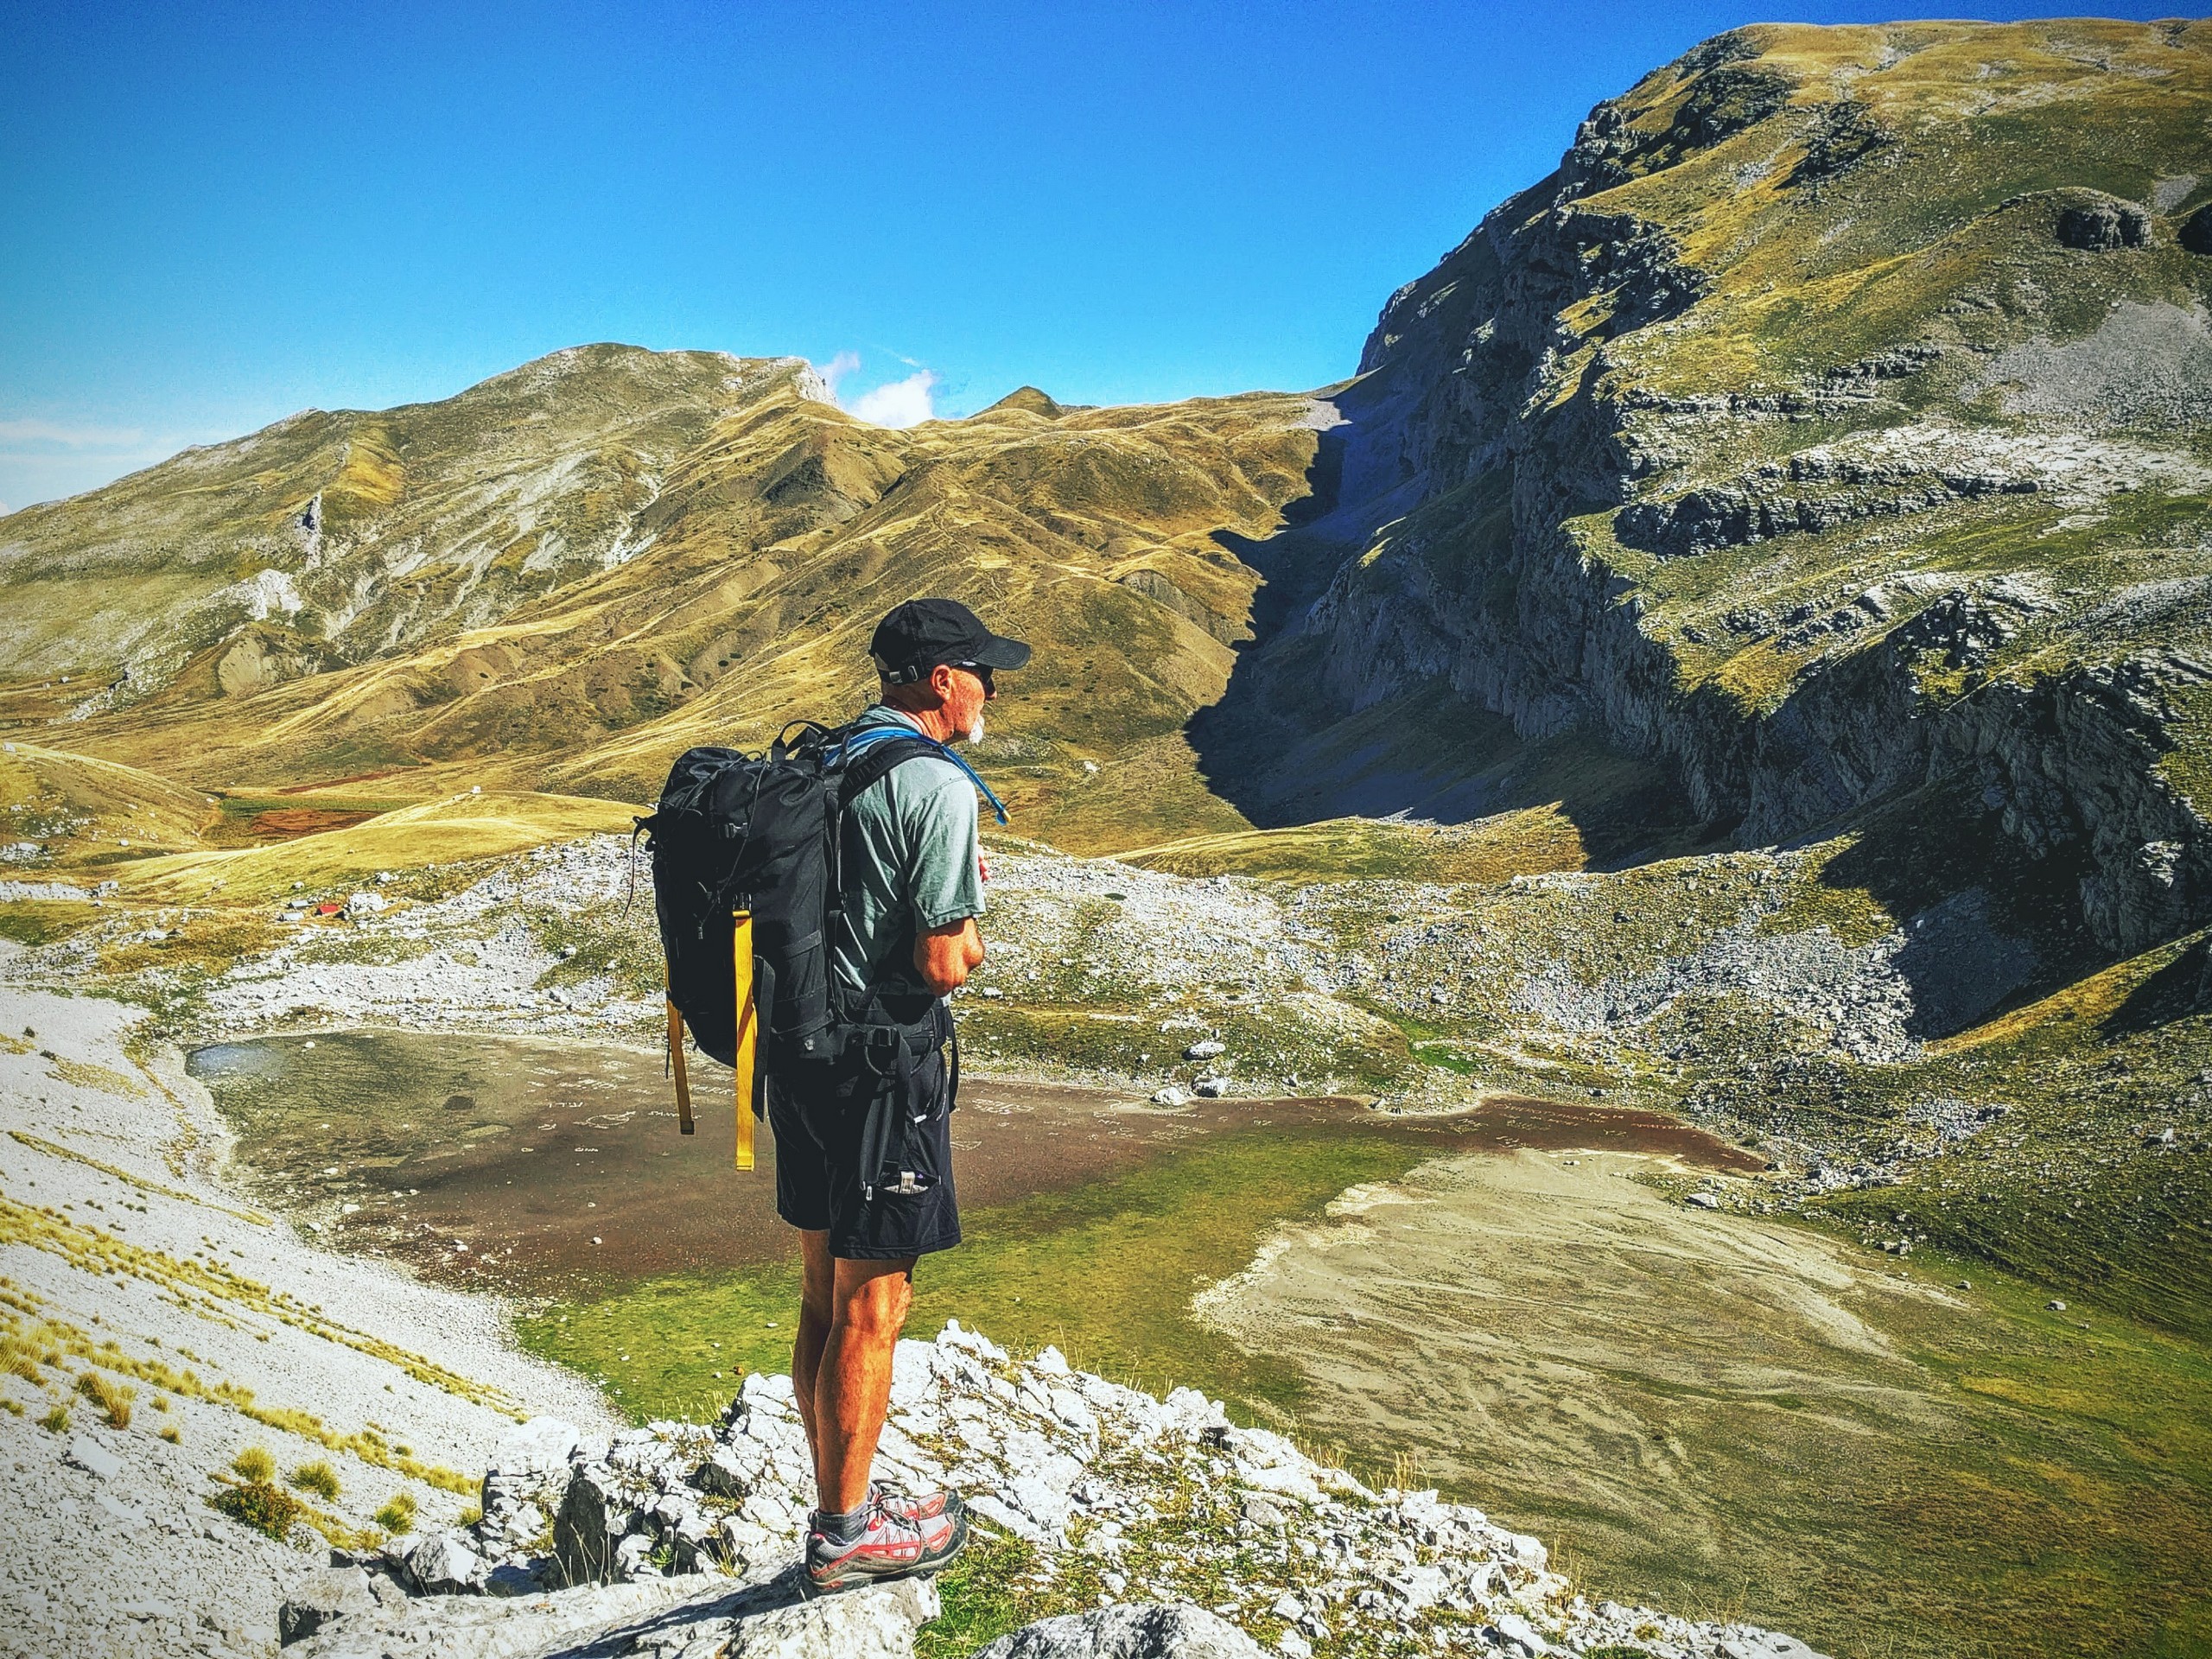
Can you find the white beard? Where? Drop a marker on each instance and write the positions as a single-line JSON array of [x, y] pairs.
[[976, 732]]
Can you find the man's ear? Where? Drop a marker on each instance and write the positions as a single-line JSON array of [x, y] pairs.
[[941, 683]]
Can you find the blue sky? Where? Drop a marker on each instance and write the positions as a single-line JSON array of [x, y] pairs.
[[212, 215]]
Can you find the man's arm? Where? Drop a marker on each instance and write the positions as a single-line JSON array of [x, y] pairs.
[[945, 957]]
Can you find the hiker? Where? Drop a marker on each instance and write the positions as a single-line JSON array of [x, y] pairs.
[[913, 889]]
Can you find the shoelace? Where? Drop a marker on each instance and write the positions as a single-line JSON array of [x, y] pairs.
[[877, 1510]]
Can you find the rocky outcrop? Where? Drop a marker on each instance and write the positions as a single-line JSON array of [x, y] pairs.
[[1127, 1633], [2196, 232], [1527, 399], [680, 1538], [2099, 225]]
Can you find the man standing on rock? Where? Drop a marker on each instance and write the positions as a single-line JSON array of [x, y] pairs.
[[913, 887]]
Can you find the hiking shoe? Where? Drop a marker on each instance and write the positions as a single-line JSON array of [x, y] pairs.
[[908, 1506], [891, 1545]]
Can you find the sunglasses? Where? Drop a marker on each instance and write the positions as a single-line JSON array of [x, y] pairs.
[[981, 671]]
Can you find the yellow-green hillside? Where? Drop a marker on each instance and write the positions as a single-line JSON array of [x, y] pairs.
[[563, 576]]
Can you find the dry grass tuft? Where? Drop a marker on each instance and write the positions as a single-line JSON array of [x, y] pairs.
[[114, 1398], [397, 1514]]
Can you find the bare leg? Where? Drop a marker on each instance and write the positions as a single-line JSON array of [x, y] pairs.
[[817, 1277], [852, 1385]]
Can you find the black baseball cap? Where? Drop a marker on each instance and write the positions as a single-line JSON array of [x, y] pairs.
[[923, 633]]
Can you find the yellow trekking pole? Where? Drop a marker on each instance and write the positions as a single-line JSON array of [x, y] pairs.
[[747, 1032]]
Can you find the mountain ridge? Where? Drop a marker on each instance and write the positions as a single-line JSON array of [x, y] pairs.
[[1735, 649]]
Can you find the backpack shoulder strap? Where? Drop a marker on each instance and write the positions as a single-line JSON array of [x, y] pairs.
[[858, 759], [869, 754], [874, 757]]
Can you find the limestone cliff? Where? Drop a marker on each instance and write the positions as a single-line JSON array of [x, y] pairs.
[[1832, 424]]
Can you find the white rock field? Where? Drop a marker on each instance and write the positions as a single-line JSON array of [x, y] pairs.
[[681, 1539], [160, 1336]]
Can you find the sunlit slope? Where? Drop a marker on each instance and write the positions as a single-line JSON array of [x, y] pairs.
[[707, 592], [456, 829], [75, 811], [333, 536]]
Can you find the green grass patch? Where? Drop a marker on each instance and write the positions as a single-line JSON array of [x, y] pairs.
[[265, 1507], [35, 922], [1106, 1272], [1513, 843], [2068, 1508], [987, 1593]]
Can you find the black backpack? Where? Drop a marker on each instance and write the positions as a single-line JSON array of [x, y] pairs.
[[762, 834]]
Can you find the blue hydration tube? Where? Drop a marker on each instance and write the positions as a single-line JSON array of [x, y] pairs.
[[859, 741]]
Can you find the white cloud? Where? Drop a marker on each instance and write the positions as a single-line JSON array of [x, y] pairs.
[[5, 508], [895, 402], [838, 367], [899, 403]]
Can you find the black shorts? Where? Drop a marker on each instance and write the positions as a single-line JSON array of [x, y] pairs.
[[820, 1121]]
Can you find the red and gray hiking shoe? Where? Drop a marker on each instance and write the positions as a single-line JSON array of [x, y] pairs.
[[894, 1545], [908, 1506]]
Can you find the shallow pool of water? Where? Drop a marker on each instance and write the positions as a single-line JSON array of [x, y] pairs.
[[560, 1167]]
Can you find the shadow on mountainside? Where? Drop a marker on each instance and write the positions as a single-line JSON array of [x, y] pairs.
[[1285, 748], [1989, 928], [2182, 989]]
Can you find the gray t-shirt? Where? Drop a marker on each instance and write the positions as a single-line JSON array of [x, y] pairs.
[[912, 863]]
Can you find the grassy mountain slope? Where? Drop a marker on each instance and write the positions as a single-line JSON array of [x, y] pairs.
[[1817, 460], [563, 576], [343, 535]]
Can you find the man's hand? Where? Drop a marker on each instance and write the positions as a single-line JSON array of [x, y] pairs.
[[945, 957]]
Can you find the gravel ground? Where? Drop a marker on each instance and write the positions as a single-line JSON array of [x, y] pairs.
[[124, 1258]]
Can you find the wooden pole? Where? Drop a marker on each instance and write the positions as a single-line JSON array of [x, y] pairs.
[[676, 1064]]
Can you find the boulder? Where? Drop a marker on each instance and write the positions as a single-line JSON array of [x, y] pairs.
[[320, 1599], [2105, 225], [732, 1470], [530, 1464], [446, 1564], [746, 1546], [633, 1558], [877, 1623], [1154, 1632], [1262, 1513], [595, 1515], [2197, 229], [90, 1455], [1517, 1636]]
